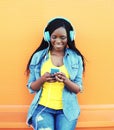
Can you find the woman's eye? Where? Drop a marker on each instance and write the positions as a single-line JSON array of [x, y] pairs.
[[53, 37], [63, 37]]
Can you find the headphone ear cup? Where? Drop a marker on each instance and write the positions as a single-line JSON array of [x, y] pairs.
[[47, 36], [72, 34]]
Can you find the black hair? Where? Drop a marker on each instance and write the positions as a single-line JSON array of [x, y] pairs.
[[53, 25]]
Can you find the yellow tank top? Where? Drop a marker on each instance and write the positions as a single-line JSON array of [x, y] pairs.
[[52, 92]]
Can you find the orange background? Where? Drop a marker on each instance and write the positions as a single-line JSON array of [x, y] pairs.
[[21, 30]]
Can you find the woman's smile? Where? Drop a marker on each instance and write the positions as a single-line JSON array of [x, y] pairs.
[[58, 45]]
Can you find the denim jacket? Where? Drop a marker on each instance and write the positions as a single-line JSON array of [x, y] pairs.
[[73, 64]]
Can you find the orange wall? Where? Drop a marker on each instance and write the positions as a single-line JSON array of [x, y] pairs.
[[21, 30]]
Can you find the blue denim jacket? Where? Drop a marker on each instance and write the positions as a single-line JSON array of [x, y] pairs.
[[73, 63]]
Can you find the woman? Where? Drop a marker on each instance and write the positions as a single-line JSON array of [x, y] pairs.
[[56, 69]]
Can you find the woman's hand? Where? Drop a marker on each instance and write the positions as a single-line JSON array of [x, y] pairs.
[[47, 77], [60, 77]]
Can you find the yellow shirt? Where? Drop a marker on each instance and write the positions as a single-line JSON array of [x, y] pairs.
[[52, 92]]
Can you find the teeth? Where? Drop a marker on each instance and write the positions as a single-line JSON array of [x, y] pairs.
[[59, 45]]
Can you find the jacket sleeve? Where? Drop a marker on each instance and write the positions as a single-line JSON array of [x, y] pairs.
[[33, 73], [79, 76]]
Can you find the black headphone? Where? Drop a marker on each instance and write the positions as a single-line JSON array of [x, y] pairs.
[[47, 34]]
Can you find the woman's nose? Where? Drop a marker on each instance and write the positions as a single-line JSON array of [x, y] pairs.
[[58, 40]]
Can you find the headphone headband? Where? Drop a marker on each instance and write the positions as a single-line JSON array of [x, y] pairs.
[[47, 34]]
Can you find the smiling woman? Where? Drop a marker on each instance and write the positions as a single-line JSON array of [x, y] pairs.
[[59, 40], [55, 93]]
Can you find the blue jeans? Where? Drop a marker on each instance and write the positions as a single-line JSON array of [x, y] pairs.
[[49, 119]]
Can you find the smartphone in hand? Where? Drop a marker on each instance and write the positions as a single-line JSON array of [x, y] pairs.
[[54, 70]]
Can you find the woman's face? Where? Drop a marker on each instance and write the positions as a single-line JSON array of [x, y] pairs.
[[59, 39]]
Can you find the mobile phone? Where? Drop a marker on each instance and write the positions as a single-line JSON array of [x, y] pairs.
[[54, 70]]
